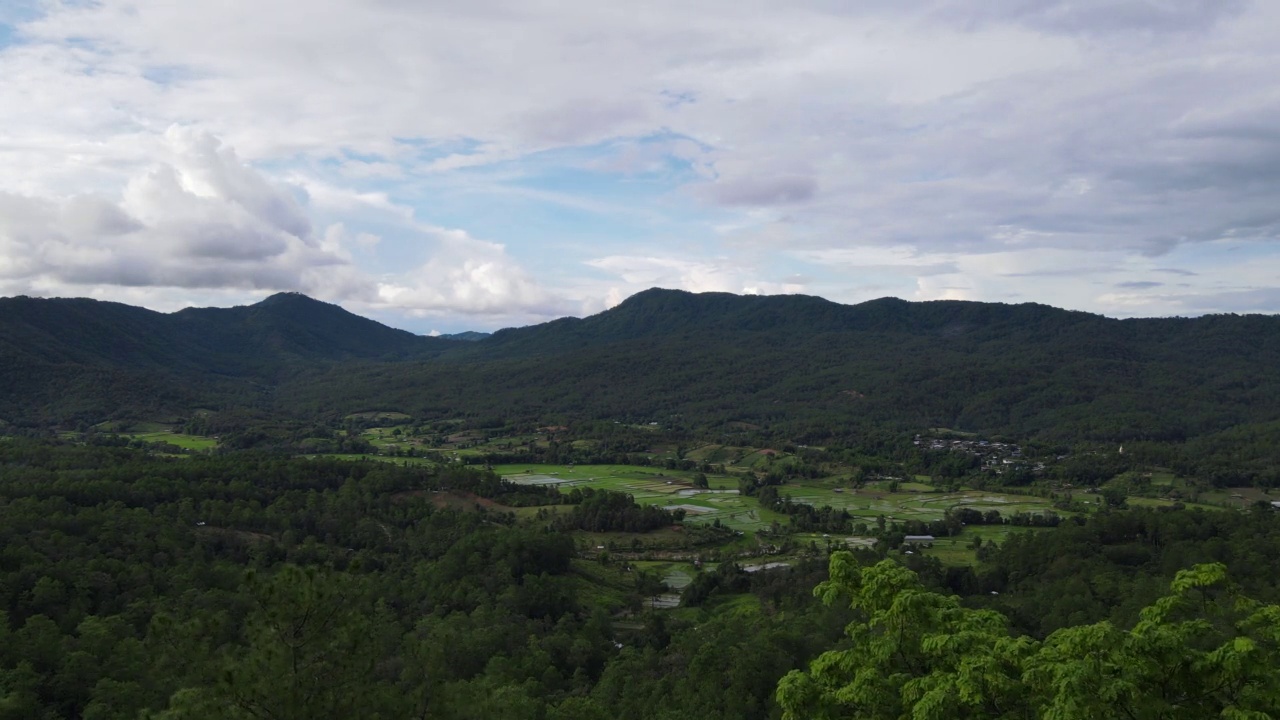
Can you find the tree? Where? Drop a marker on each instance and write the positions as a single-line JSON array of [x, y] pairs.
[[312, 648], [1203, 651], [1114, 497]]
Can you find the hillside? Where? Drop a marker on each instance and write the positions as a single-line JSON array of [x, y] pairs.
[[802, 366], [80, 359], [808, 366]]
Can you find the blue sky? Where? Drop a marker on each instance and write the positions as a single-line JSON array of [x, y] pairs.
[[450, 166]]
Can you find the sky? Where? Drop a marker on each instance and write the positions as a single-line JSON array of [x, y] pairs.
[[470, 165]]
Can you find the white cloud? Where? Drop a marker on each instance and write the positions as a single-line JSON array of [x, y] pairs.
[[640, 272], [715, 275], [204, 221], [933, 149], [470, 276]]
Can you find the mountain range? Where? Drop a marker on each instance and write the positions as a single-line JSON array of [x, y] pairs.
[[710, 360]]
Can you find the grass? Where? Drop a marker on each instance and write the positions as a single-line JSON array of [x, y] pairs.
[[1166, 502], [956, 551], [875, 500], [717, 454], [677, 575], [379, 416], [654, 486], [661, 539], [602, 586], [414, 461], [674, 488], [182, 440], [124, 428]]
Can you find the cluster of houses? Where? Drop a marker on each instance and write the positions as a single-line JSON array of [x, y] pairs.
[[995, 456]]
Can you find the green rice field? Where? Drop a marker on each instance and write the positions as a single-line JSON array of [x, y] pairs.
[[654, 486], [187, 442], [875, 500], [674, 489]]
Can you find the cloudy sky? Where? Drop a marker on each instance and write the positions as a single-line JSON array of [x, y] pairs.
[[448, 164]]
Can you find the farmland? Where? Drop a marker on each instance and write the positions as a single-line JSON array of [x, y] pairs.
[[653, 486], [182, 440], [721, 501], [919, 502]]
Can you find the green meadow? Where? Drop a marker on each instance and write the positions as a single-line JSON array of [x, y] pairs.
[[721, 501], [654, 486], [182, 440], [919, 502]]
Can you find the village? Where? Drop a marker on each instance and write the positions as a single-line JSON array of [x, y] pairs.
[[994, 456]]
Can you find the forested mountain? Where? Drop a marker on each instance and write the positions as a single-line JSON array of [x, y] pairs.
[[80, 359], [708, 360], [806, 365], [237, 340]]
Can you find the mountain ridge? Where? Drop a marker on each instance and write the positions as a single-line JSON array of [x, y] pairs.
[[707, 358]]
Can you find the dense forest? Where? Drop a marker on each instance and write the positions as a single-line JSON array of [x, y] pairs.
[[256, 586], [250, 585]]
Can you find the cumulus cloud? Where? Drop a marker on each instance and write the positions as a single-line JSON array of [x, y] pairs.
[[204, 220], [1047, 149], [716, 275], [470, 276], [641, 272], [199, 219]]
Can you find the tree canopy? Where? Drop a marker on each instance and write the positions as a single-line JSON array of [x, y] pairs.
[[1204, 650]]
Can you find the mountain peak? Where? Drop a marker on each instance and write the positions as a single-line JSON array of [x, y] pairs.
[[290, 298]]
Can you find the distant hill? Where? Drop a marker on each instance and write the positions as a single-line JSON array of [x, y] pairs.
[[810, 366], [81, 358], [801, 365], [660, 313], [468, 335]]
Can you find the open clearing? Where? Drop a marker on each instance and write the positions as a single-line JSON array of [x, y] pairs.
[[674, 488], [654, 486], [379, 416], [186, 442], [875, 500]]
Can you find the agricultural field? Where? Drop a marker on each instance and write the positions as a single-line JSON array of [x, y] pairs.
[[415, 461], [672, 489], [718, 454], [1229, 498], [377, 416], [182, 440], [912, 501], [463, 443], [675, 575], [157, 433], [959, 550]]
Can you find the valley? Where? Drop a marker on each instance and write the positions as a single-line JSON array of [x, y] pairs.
[[635, 515]]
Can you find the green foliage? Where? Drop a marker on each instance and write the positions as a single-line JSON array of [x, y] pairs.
[[247, 585], [609, 511], [311, 649], [1203, 651]]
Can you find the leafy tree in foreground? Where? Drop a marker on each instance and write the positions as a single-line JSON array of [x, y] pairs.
[[1203, 651]]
